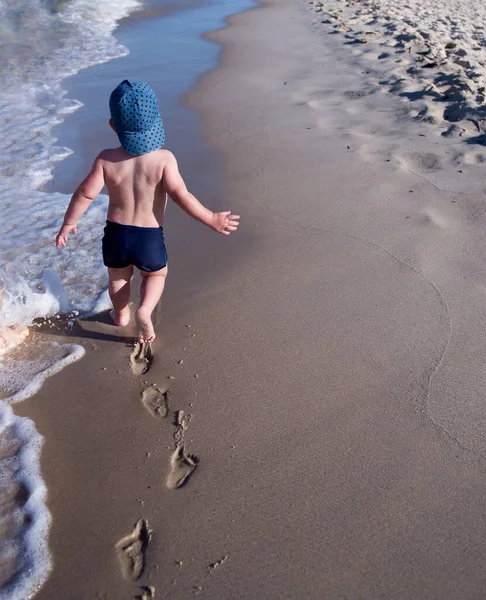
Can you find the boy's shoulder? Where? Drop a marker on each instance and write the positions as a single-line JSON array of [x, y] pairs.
[[159, 159], [161, 154], [110, 154], [117, 154]]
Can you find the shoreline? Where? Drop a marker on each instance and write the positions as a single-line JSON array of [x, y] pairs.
[[62, 437], [318, 386]]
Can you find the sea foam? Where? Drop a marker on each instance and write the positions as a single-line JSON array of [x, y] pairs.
[[24, 556]]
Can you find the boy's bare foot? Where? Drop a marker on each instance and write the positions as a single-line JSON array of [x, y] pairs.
[[120, 319], [146, 331]]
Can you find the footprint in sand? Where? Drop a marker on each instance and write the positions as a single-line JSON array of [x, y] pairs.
[[217, 563], [156, 401], [131, 550], [148, 593], [141, 358], [182, 466]]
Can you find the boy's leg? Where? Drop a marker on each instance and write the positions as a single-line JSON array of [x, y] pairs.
[[151, 290], [119, 290]]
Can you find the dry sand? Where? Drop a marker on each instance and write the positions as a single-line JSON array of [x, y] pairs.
[[328, 359], [433, 54]]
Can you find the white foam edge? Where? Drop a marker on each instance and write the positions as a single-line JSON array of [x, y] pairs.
[[75, 352], [34, 540]]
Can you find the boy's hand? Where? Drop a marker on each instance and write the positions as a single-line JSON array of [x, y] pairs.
[[62, 236], [225, 222]]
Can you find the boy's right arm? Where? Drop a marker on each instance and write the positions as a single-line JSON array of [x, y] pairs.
[[223, 222], [87, 191]]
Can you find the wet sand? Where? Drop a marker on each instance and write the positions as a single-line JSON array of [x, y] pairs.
[[328, 360]]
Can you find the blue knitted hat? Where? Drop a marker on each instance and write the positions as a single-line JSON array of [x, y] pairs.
[[136, 118]]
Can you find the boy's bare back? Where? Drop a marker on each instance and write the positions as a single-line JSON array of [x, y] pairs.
[[136, 186]]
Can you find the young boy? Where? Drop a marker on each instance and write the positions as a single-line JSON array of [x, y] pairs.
[[139, 176]]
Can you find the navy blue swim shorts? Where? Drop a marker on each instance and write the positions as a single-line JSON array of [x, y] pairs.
[[142, 247]]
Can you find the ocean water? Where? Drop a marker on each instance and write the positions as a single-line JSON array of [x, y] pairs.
[[41, 43]]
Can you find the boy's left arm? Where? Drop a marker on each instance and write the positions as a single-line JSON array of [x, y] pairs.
[[82, 198]]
